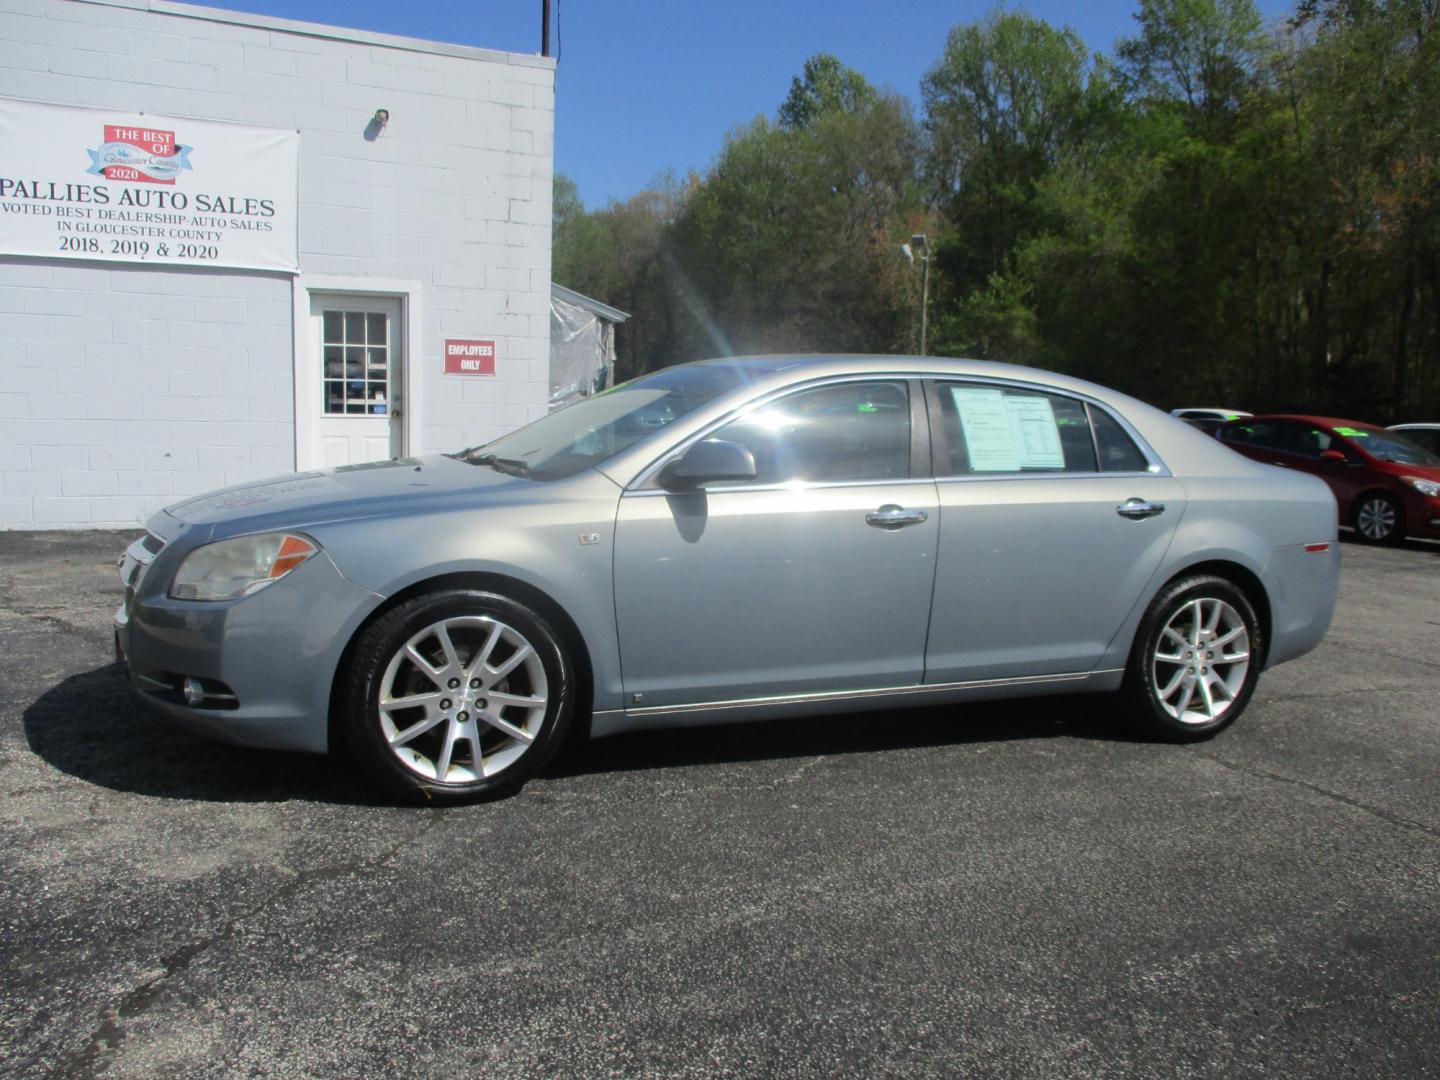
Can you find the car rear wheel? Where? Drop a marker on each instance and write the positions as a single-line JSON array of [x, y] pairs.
[[457, 696], [1379, 519], [1196, 659]]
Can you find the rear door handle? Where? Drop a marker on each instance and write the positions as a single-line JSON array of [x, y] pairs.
[[1136, 508], [892, 517]]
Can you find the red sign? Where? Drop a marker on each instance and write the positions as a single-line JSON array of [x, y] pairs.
[[463, 357], [151, 161]]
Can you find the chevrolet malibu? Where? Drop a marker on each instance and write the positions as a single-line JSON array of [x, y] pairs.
[[732, 540]]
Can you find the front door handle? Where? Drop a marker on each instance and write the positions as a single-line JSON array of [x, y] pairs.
[[891, 516], [1136, 508]]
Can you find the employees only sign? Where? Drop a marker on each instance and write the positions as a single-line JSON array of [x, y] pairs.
[[117, 187], [464, 356]]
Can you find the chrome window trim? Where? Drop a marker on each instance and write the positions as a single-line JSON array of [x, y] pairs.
[[1031, 476], [645, 481], [1157, 465]]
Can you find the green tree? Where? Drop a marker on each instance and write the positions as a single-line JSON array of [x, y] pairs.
[[1003, 103], [1201, 52], [824, 87]]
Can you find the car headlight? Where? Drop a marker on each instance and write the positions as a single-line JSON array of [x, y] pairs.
[[238, 567], [1425, 487]]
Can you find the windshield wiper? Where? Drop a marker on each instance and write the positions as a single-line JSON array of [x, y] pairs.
[[511, 466]]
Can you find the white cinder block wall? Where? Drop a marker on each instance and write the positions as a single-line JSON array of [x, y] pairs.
[[123, 387]]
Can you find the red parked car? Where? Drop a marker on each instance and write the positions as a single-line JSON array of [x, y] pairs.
[[1386, 485]]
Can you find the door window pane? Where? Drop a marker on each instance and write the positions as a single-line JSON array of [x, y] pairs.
[[356, 347], [993, 429], [849, 431]]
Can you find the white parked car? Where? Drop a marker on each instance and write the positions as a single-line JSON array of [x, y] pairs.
[[1427, 435], [1209, 415]]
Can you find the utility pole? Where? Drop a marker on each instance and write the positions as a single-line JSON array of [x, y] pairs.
[[544, 27]]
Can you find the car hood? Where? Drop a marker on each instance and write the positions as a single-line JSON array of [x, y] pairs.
[[1399, 468], [377, 489]]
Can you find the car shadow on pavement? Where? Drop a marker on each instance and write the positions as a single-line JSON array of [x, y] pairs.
[[93, 727], [1078, 716]]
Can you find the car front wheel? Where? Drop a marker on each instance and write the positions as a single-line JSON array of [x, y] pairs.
[[457, 696], [1379, 519], [1196, 659]]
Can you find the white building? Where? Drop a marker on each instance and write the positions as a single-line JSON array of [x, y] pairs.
[[232, 246]]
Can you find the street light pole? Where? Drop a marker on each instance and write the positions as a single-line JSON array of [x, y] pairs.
[[919, 243], [924, 302]]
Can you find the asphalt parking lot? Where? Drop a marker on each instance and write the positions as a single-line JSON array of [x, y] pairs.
[[1020, 890]]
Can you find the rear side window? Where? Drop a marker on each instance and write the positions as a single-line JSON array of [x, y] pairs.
[[993, 430], [1262, 433]]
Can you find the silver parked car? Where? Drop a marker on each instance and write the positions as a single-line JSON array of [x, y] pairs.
[[733, 539]]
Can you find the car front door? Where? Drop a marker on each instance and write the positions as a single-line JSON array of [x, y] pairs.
[[1052, 523], [814, 577]]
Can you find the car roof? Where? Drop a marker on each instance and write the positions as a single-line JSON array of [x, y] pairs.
[[797, 366]]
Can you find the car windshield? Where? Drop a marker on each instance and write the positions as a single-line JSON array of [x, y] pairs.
[[595, 429], [1389, 446]]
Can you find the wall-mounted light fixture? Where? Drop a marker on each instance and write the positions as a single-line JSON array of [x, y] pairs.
[[381, 117]]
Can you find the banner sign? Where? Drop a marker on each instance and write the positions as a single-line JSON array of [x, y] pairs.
[[466, 357], [117, 187]]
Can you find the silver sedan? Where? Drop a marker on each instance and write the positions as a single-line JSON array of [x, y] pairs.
[[733, 539]]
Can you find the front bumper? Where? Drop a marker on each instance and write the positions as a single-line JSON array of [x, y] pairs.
[[264, 662], [1422, 515]]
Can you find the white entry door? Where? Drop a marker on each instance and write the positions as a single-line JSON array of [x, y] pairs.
[[359, 348]]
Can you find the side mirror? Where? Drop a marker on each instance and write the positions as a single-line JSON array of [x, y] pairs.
[[1332, 455], [708, 462]]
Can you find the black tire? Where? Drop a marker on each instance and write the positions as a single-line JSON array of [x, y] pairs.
[[1378, 518], [1142, 695], [468, 616]]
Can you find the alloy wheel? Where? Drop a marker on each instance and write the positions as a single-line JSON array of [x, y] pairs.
[[463, 699], [1376, 518], [1201, 660]]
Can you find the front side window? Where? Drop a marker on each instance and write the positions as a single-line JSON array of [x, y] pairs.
[[846, 432], [1390, 446]]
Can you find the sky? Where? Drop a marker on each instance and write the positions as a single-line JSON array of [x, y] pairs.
[[642, 86]]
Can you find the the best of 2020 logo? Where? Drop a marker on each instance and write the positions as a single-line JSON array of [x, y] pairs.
[[143, 155]]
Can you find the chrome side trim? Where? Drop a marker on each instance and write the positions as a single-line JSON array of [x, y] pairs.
[[854, 695], [789, 485]]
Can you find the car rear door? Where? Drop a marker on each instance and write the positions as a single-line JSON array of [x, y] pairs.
[[813, 578], [1053, 521]]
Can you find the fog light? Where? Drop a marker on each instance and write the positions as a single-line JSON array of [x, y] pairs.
[[194, 692]]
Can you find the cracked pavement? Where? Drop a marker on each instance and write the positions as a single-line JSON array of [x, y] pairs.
[[1012, 890]]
